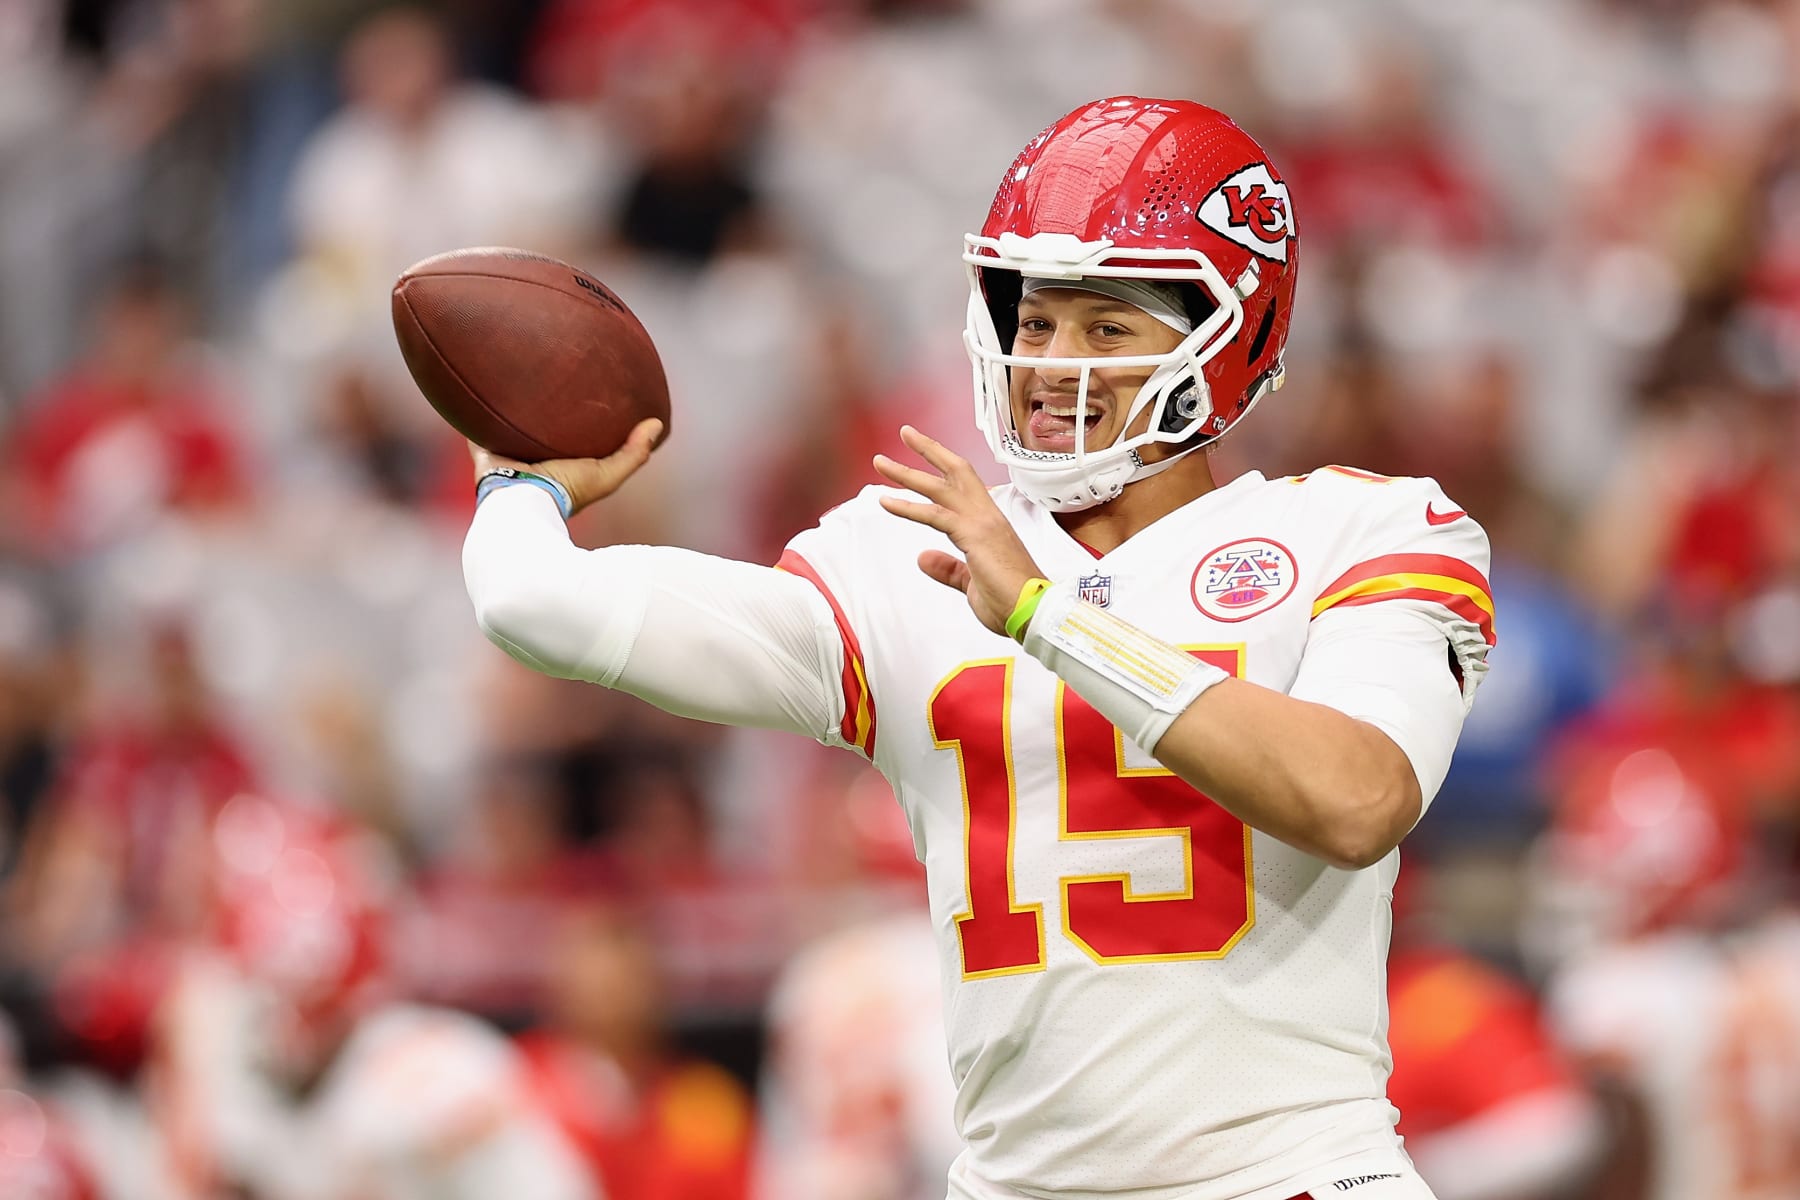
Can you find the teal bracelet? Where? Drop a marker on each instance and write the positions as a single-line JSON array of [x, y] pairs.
[[493, 481]]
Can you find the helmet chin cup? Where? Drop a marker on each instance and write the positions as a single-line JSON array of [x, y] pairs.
[[1060, 485]]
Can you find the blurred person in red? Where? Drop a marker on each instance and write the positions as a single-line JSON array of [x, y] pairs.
[[651, 1123], [110, 874], [1697, 507], [288, 1066], [1491, 1107], [597, 49], [116, 848], [1383, 140], [134, 429], [487, 912], [720, 928], [1665, 990]]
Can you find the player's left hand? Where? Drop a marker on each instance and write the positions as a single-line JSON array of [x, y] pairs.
[[995, 565]]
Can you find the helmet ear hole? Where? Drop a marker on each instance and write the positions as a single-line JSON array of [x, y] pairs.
[[1263, 330]]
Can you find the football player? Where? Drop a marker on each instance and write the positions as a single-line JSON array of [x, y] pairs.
[[1671, 988], [1157, 738], [285, 1066]]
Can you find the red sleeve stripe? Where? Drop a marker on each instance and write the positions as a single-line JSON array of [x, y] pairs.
[[858, 728], [1438, 578]]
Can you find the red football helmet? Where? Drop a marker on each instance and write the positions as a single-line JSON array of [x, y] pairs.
[[300, 904], [1644, 838], [1129, 188]]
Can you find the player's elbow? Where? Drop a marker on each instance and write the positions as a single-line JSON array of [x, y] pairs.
[[1369, 818], [518, 616]]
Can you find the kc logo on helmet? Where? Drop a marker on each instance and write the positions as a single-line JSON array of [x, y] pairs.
[[1252, 209]]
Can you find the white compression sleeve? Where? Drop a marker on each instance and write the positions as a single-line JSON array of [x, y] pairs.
[[699, 636]]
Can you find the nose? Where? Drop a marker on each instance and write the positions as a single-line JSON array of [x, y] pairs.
[[1064, 343]]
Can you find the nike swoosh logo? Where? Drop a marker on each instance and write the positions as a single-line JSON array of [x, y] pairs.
[[1438, 518]]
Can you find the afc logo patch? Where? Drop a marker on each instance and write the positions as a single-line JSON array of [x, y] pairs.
[[1243, 579], [1095, 589], [1252, 209]]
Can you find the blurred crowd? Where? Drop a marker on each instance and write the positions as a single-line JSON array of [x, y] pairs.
[[308, 892]]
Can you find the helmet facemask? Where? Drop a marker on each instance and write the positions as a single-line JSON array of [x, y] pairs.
[[1176, 396]]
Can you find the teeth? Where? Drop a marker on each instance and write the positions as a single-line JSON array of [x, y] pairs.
[[1053, 411]]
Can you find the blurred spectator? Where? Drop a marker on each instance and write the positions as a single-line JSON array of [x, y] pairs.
[[40, 1158], [857, 1104], [29, 714], [115, 851], [379, 452], [1379, 171], [691, 195], [489, 909], [419, 162], [1490, 1106], [136, 428], [589, 49], [720, 932], [651, 1124]]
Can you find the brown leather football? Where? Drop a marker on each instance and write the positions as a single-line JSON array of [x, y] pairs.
[[527, 356]]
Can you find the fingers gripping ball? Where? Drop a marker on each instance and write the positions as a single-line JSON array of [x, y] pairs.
[[527, 356]]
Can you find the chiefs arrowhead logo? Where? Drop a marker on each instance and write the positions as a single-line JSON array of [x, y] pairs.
[[1252, 209]]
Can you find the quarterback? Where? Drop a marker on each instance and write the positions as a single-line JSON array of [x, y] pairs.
[[1157, 739]]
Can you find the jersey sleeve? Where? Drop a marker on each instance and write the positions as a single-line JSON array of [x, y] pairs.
[[827, 556], [1401, 627], [1416, 552]]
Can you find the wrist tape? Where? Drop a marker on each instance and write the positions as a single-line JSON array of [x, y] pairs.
[[1138, 682], [508, 476]]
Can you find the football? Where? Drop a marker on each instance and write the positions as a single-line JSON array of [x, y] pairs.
[[527, 356]]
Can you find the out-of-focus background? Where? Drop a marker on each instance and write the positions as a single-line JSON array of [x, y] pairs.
[[308, 892]]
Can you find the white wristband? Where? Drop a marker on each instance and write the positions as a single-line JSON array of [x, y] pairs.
[[1138, 682]]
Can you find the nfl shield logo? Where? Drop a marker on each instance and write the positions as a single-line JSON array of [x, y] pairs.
[[1095, 589]]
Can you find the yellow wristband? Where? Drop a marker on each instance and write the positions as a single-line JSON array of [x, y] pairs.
[[1029, 595]]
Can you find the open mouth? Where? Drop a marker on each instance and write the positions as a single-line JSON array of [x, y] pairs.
[[1051, 424]]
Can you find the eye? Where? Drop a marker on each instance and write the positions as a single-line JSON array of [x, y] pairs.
[[1108, 330], [1034, 325]]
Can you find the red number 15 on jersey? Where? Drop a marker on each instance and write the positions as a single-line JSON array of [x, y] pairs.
[[1100, 797]]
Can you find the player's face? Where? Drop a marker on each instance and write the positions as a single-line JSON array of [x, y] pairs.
[[1066, 323]]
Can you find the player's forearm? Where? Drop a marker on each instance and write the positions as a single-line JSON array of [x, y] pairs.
[[531, 589], [695, 635], [1306, 773], [1323, 782]]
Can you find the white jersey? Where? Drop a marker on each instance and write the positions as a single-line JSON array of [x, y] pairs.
[[856, 1103], [1142, 994], [1708, 1036]]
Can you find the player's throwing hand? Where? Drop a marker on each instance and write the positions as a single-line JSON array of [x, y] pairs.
[[995, 566], [585, 479]]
